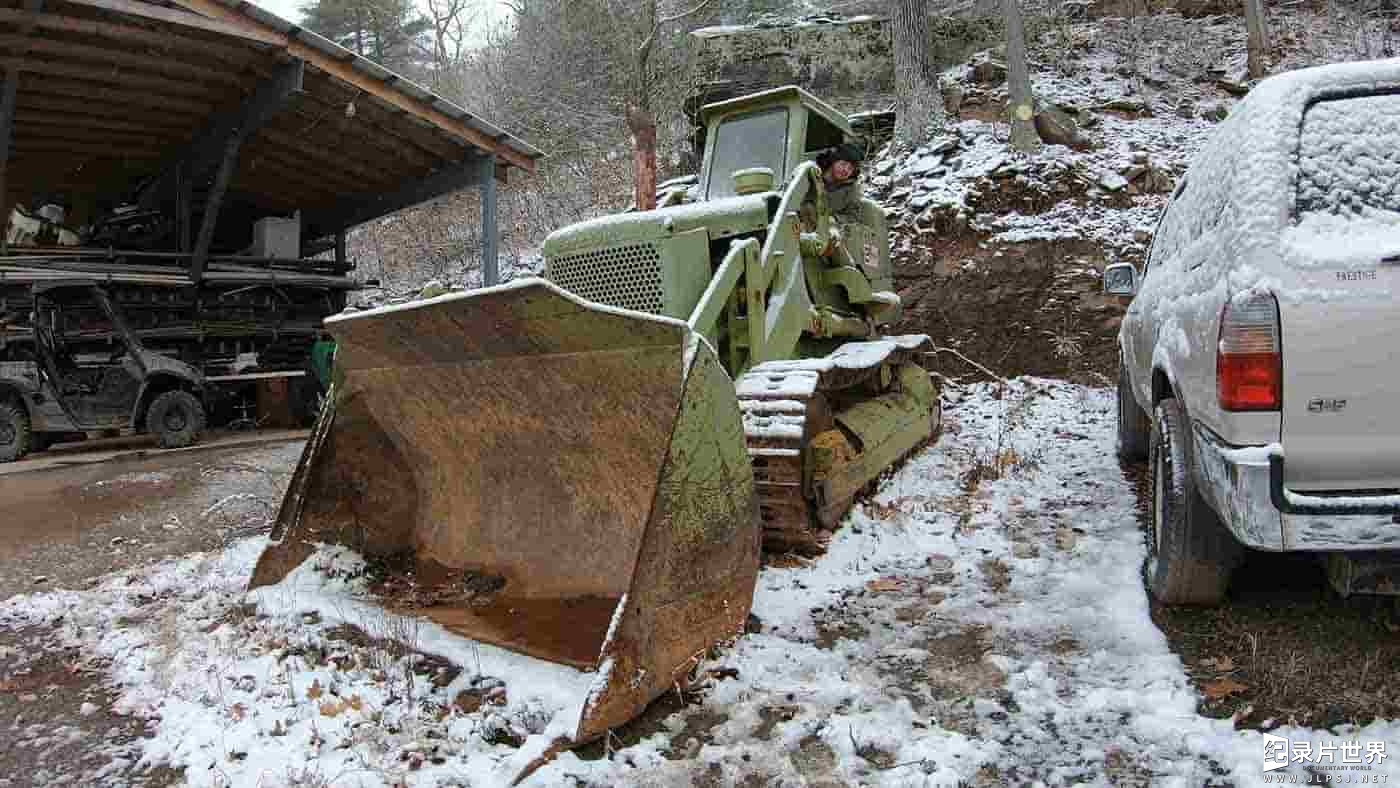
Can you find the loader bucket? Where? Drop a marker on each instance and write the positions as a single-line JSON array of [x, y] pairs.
[[570, 479]]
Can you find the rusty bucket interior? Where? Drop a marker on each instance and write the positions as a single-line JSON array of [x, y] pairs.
[[563, 480]]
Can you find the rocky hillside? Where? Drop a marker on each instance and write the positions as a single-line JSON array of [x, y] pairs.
[[999, 255]]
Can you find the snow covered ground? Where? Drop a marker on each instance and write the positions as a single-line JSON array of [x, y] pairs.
[[981, 621]]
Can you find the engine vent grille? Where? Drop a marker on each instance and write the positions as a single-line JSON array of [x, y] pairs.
[[622, 276]]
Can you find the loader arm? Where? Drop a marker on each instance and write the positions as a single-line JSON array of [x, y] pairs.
[[773, 273]]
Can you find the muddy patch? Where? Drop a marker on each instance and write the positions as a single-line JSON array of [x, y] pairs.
[[1285, 649], [56, 709]]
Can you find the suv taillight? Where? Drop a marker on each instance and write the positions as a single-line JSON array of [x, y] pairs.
[[1249, 358]]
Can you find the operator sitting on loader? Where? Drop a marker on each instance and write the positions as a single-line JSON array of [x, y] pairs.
[[840, 167]]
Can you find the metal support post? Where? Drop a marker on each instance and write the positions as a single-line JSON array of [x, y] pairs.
[[490, 270]]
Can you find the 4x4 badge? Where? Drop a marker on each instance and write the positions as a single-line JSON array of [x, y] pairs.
[[1321, 405]]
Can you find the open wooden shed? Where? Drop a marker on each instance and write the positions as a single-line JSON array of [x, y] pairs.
[[219, 113]]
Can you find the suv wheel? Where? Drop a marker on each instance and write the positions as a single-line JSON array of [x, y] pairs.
[[14, 431], [176, 418], [1134, 429], [1191, 554]]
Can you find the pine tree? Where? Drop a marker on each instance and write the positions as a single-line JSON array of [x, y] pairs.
[[385, 31]]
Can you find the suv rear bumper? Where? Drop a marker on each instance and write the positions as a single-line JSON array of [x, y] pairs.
[[1235, 482]]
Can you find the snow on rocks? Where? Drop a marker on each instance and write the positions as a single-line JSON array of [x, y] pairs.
[[1105, 182]]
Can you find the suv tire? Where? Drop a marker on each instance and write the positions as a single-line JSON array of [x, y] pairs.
[[176, 418], [1134, 428], [15, 435], [1190, 555]]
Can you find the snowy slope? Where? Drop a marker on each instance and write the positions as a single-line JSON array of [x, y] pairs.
[[982, 620]]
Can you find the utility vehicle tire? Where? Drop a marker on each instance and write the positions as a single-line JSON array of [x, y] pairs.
[[15, 435], [1190, 554], [1134, 428], [176, 418]]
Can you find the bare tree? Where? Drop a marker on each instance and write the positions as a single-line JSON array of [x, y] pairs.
[[1258, 37], [450, 19], [641, 119], [1018, 81], [919, 107]]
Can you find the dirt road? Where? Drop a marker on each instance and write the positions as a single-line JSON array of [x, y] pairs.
[[71, 516]]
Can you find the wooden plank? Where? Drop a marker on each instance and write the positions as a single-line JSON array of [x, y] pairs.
[[276, 170], [384, 121], [345, 72], [79, 109], [152, 125], [115, 140], [102, 149], [157, 13], [9, 103], [329, 157], [9, 95], [270, 166], [364, 207], [325, 124], [121, 78], [210, 145], [104, 94], [126, 57], [164, 39]]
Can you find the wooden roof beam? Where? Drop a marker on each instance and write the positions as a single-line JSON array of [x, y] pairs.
[[387, 122], [334, 133], [9, 103], [332, 159], [99, 94], [259, 161], [121, 57], [80, 111], [115, 76], [371, 206], [208, 148], [117, 142], [160, 127], [345, 71], [240, 53], [150, 11]]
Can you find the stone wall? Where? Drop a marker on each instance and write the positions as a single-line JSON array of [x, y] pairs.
[[849, 64]]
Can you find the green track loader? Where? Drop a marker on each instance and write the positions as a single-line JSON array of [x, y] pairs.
[[584, 466]]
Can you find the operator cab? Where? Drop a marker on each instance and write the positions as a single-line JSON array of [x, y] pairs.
[[776, 129]]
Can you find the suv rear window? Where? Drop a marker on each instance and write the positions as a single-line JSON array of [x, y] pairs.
[[1349, 160]]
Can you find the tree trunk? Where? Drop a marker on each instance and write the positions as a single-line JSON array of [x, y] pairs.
[[1258, 37], [642, 125], [1018, 81], [918, 100]]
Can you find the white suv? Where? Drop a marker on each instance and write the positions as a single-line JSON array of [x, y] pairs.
[[1260, 358]]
